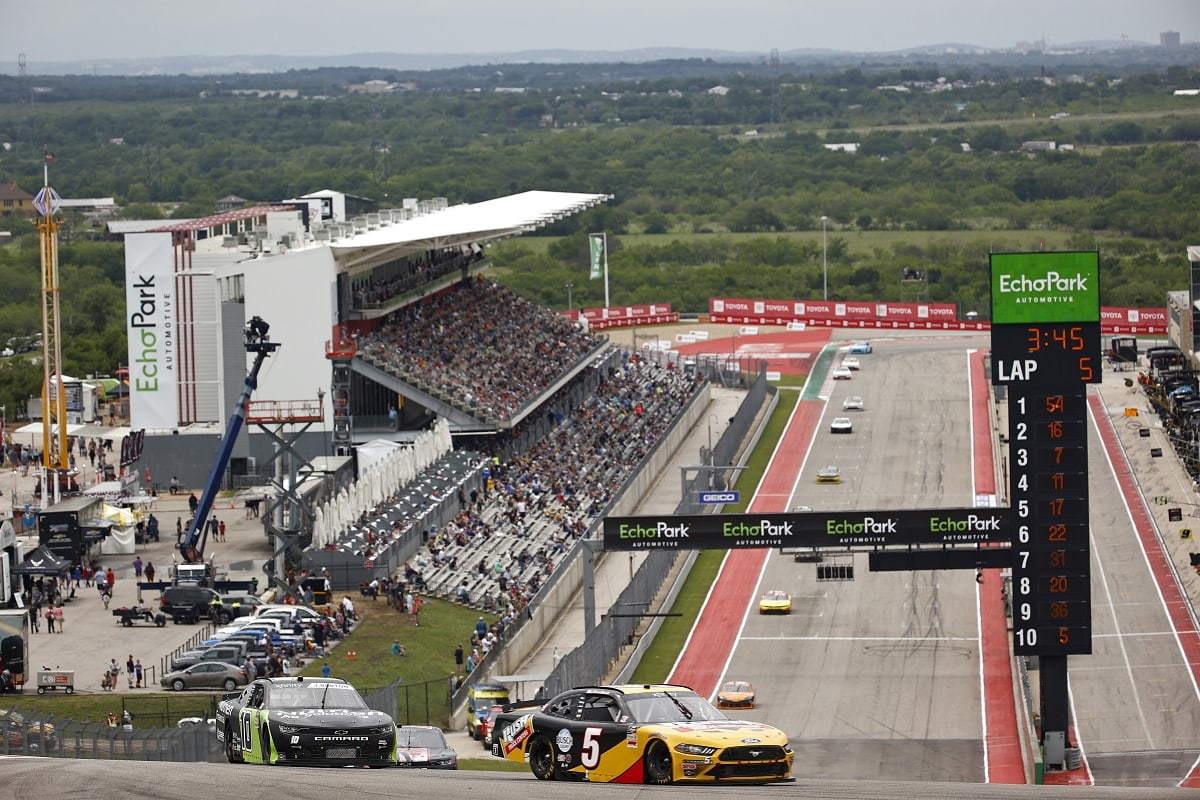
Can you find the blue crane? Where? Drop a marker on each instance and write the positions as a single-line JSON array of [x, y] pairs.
[[192, 547]]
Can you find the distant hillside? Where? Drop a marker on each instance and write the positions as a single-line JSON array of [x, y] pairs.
[[1086, 52]]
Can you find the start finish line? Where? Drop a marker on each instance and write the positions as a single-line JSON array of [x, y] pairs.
[[940, 526]]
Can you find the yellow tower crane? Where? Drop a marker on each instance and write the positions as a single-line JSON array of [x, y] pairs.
[[54, 397]]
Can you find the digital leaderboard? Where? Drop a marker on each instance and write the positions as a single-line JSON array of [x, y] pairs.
[[1046, 349]]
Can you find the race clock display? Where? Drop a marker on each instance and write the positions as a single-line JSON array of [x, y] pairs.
[[1045, 355], [1046, 348]]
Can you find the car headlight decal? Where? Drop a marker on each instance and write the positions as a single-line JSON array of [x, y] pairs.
[[695, 749]]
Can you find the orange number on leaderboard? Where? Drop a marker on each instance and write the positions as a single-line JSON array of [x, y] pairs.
[[1064, 635]]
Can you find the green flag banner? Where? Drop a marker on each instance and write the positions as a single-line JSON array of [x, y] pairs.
[[596, 245]]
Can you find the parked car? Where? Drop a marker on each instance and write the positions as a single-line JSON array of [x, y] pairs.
[[206, 675], [241, 605], [487, 724], [187, 603], [480, 699], [424, 746]]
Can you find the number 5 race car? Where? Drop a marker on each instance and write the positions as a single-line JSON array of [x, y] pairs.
[[321, 721], [640, 734]]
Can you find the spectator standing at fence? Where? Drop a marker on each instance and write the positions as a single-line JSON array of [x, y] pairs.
[[129, 667], [138, 672], [458, 660]]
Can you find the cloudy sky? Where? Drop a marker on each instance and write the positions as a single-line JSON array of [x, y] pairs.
[[71, 30]]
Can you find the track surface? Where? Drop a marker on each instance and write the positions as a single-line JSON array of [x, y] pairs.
[[905, 676]]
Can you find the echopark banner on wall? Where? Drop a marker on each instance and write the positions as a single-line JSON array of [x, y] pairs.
[[150, 325], [941, 526]]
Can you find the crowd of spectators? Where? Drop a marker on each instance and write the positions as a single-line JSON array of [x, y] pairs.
[[504, 542], [397, 278], [479, 346]]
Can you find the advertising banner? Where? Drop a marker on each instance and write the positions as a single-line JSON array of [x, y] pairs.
[[842, 529], [150, 324]]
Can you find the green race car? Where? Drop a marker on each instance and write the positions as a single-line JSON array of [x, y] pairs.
[[304, 721]]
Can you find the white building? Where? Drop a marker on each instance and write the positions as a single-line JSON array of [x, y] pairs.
[[191, 288]]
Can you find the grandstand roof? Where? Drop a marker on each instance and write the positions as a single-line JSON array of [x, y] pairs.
[[465, 223]]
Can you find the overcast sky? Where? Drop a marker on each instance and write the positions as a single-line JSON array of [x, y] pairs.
[[70, 30]]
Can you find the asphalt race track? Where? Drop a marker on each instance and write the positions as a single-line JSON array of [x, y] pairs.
[[36, 779], [879, 676]]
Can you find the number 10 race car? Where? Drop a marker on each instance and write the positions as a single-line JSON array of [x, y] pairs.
[[321, 721], [640, 734]]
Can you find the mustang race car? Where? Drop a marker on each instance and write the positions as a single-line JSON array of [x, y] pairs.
[[640, 734], [314, 721], [736, 694]]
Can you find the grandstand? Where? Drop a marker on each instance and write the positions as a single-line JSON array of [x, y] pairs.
[[518, 428]]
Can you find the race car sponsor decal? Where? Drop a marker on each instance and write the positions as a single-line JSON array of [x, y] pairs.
[[516, 732], [631, 736], [563, 740]]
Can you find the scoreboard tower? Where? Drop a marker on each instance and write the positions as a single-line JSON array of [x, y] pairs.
[[1046, 349]]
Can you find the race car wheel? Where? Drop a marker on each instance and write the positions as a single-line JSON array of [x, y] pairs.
[[657, 767], [541, 759], [233, 753]]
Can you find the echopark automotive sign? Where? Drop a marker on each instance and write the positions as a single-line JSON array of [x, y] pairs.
[[944, 526]]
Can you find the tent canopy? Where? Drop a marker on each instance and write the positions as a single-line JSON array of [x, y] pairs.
[[41, 562]]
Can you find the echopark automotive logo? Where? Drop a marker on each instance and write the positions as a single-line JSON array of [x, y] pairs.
[[1054, 288]]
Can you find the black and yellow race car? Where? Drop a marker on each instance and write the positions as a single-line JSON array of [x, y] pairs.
[[653, 734], [304, 721]]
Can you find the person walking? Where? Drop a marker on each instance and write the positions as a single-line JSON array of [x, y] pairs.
[[137, 567], [49, 620], [221, 531], [58, 617], [149, 571]]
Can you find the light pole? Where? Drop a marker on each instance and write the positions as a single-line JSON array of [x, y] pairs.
[[825, 257], [712, 459], [570, 286]]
